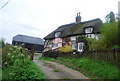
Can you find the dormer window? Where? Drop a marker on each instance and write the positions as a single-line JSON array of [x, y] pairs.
[[57, 34], [88, 30]]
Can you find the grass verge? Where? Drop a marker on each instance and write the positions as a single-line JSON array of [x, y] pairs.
[[94, 69], [0, 74], [101, 69]]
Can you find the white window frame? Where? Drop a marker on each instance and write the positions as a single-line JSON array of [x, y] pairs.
[[80, 46], [89, 30]]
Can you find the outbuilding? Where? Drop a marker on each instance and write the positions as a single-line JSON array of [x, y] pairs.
[[29, 42]]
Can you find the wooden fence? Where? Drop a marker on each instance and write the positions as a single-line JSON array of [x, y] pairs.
[[105, 55]]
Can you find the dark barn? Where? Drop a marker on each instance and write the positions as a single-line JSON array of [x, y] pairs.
[[31, 43]]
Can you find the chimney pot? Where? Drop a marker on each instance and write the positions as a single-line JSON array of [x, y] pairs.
[[78, 17]]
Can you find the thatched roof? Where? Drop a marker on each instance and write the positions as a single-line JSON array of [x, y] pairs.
[[28, 39], [73, 29]]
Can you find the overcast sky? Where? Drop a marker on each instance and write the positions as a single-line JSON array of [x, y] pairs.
[[38, 18]]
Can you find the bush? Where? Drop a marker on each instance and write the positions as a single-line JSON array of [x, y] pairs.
[[96, 44], [108, 37], [16, 65], [51, 54], [27, 70], [11, 55], [109, 32], [66, 48]]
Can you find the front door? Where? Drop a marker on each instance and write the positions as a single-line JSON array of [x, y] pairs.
[[80, 46]]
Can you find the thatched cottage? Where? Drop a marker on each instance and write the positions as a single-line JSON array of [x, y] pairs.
[[68, 34]]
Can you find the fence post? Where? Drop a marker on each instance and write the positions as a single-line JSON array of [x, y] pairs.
[[32, 53], [116, 55]]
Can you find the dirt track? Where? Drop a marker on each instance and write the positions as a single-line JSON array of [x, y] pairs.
[[55, 70]]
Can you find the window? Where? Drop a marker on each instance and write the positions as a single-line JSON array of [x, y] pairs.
[[86, 35], [55, 45], [73, 38], [74, 46], [59, 44], [88, 30], [57, 34], [89, 36], [80, 46], [50, 45]]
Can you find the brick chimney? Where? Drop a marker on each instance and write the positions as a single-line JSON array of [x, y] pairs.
[[78, 17]]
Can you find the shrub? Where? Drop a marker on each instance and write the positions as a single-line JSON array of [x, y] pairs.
[[17, 65], [96, 44], [109, 32], [66, 48], [26, 70], [11, 55]]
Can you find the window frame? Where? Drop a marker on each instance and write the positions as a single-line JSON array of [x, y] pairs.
[[89, 30], [73, 38], [74, 46]]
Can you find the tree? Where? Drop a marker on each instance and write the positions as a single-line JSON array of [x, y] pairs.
[[109, 32], [95, 44], [108, 38], [119, 28], [110, 18]]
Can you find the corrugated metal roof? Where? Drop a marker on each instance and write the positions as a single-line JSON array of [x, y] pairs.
[[76, 28], [28, 39]]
